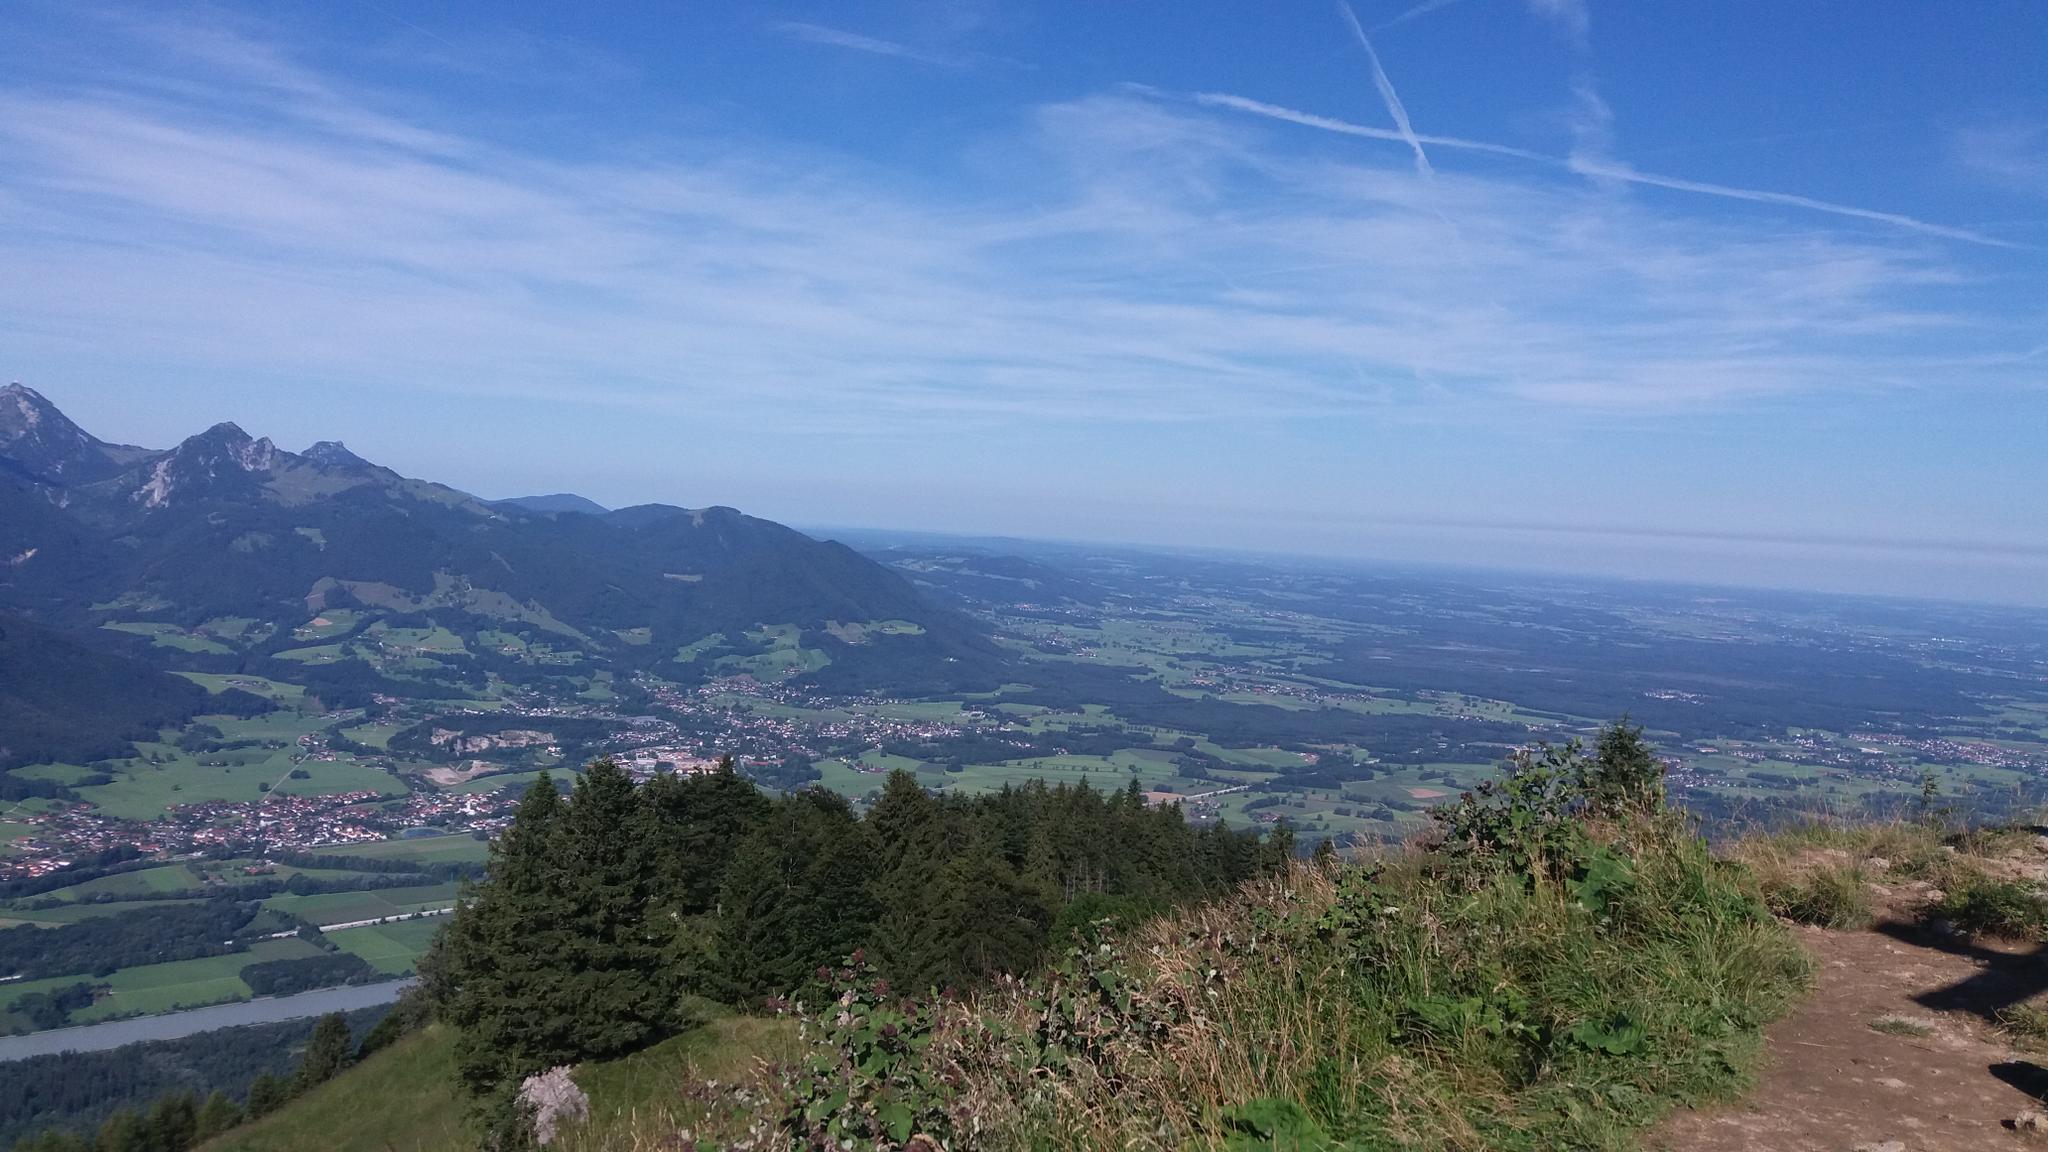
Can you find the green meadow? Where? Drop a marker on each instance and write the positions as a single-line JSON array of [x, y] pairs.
[[426, 849], [393, 948]]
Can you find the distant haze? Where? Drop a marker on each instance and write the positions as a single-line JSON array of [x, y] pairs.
[[1669, 291]]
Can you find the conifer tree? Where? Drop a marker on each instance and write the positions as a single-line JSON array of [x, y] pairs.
[[987, 920], [216, 1116], [617, 985], [1625, 771], [598, 910], [266, 1095], [796, 897], [698, 823], [327, 1053], [1325, 854], [1278, 847], [505, 969], [172, 1124], [124, 1131], [907, 828]]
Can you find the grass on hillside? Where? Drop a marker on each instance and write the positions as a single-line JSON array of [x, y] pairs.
[[642, 1101], [1399, 1009], [1417, 1000], [406, 1099], [1563, 986], [403, 1099], [1975, 882]]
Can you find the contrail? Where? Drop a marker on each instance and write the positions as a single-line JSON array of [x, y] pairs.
[[1388, 95], [1615, 172], [1345, 127], [1593, 169], [1422, 9]]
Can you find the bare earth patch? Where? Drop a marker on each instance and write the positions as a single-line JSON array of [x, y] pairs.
[[1894, 1050], [446, 777]]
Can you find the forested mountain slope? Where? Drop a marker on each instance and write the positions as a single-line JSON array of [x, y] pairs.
[[226, 526], [60, 700]]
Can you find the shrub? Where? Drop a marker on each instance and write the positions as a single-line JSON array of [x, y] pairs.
[[2026, 1023], [866, 1078], [1825, 896], [1982, 906], [1998, 840]]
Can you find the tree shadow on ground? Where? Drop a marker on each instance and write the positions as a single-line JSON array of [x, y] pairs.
[[2004, 978], [2024, 1075]]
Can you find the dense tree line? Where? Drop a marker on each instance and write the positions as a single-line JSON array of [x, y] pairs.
[[102, 944], [180, 1121], [603, 910], [52, 1009], [71, 1097], [305, 973]]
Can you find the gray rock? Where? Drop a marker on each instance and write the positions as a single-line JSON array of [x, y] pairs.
[[554, 1098]]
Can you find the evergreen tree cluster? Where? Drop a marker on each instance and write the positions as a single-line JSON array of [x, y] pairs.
[[604, 914]]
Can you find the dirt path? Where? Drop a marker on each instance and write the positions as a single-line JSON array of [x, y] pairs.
[[1836, 1084]]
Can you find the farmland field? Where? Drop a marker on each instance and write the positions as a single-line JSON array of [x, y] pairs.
[[425, 849], [390, 948], [152, 988], [1346, 702], [217, 682]]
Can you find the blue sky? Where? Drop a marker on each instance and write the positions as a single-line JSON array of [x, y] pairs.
[[1750, 292]]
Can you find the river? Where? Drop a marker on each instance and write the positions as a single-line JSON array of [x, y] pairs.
[[171, 1025]]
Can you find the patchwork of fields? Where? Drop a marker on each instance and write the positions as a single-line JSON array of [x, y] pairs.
[[1346, 704]]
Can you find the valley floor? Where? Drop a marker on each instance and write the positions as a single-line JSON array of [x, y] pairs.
[[1895, 1050]]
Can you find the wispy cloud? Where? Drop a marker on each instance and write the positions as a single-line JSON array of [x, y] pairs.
[[2014, 156], [873, 45], [1122, 260], [1570, 16]]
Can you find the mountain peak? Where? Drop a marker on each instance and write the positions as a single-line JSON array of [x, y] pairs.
[[557, 502], [23, 409], [225, 443], [334, 455], [223, 454], [43, 442]]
